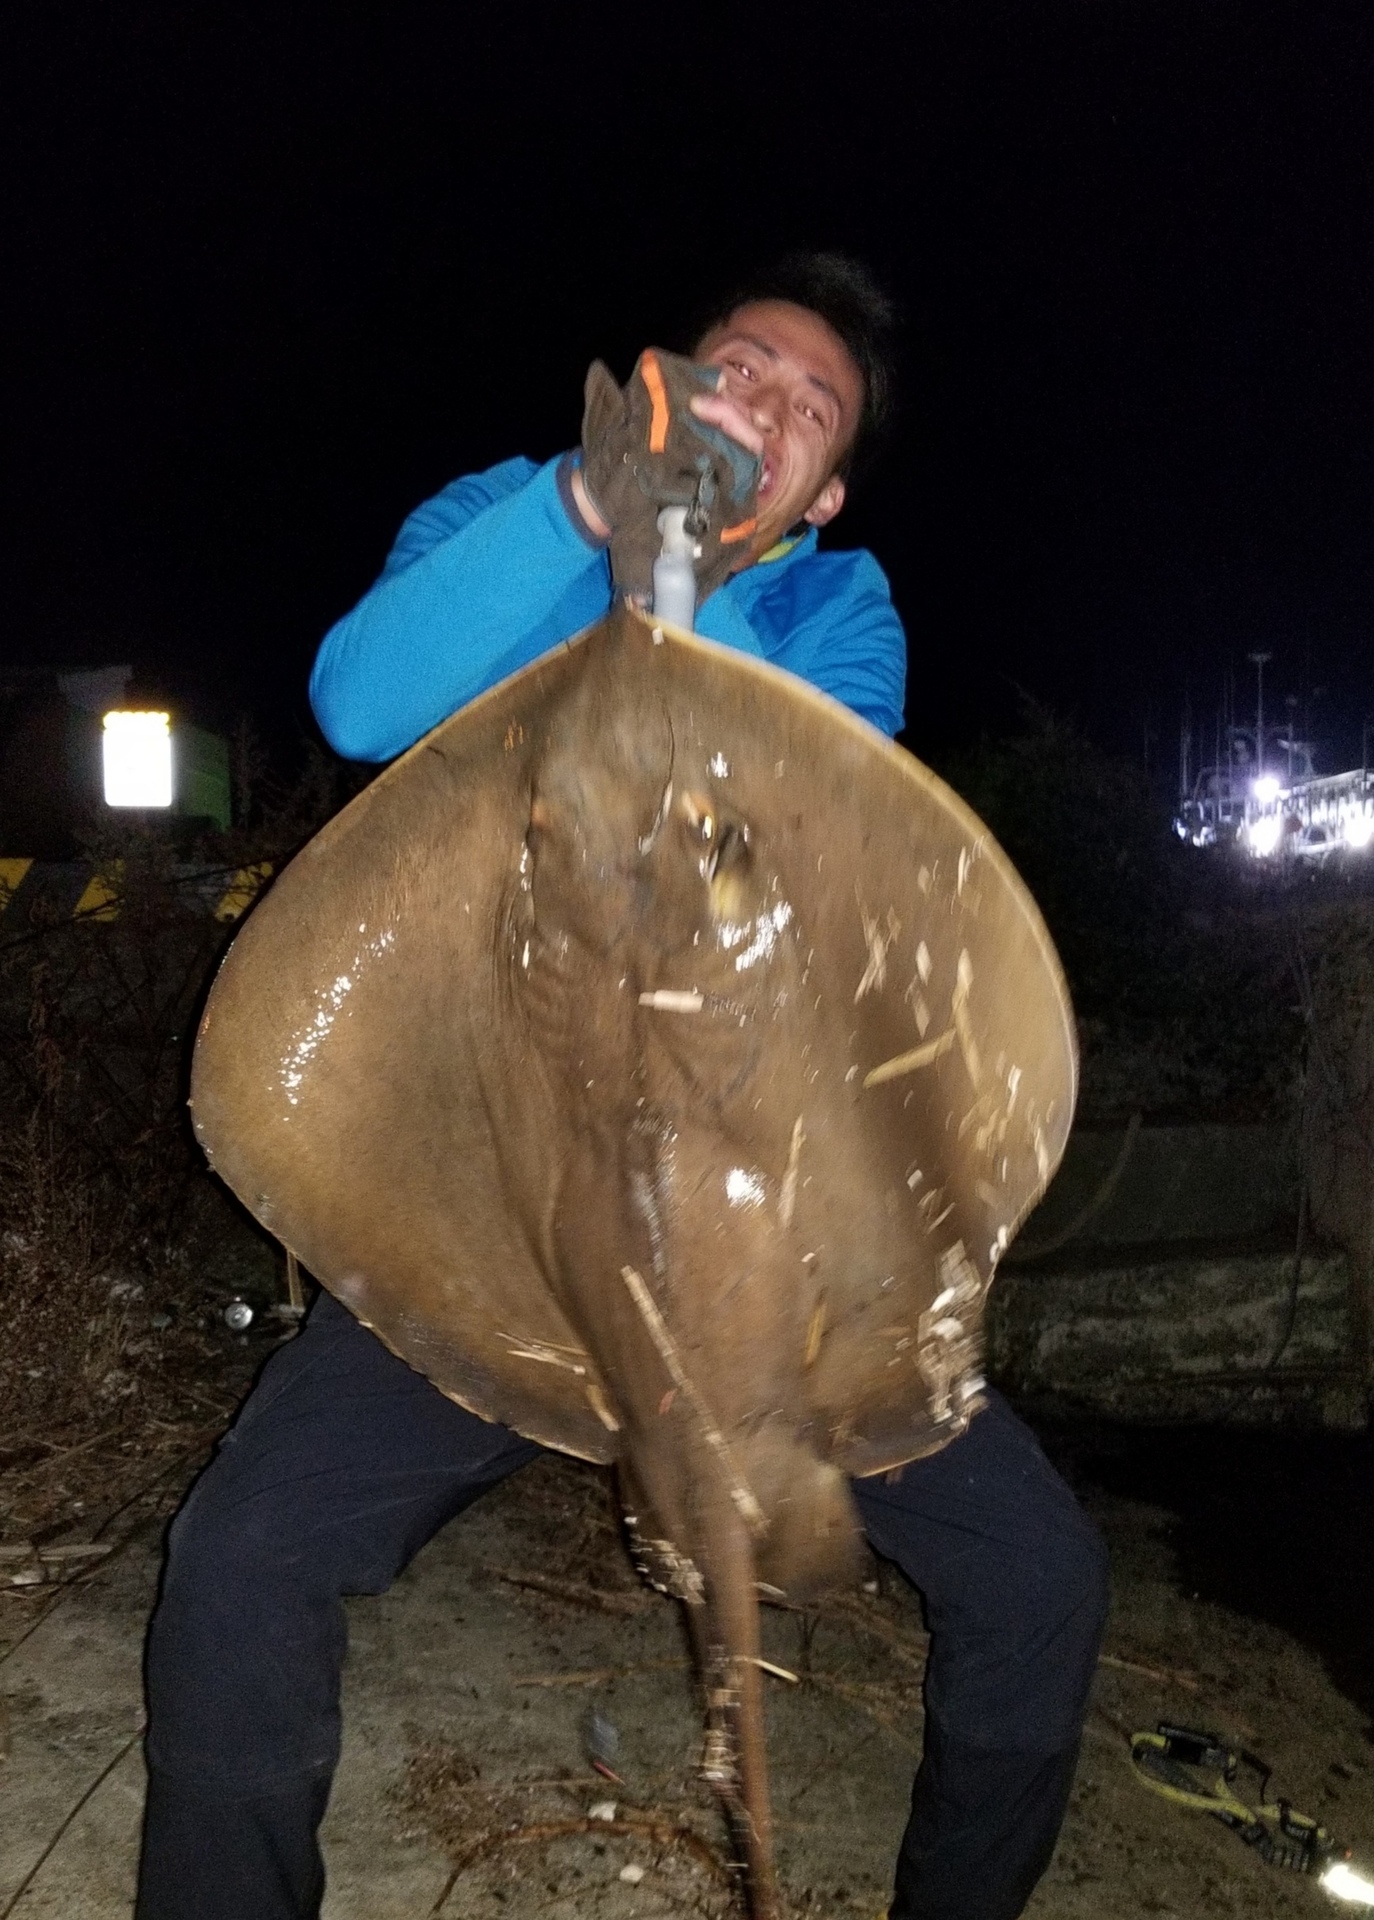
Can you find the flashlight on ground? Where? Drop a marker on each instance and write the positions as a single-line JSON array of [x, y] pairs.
[[1343, 1882], [1197, 1769]]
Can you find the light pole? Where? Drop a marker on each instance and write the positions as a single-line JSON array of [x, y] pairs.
[[1292, 705], [1259, 660]]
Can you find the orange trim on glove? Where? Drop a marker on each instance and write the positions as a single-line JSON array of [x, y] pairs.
[[740, 531], [653, 379]]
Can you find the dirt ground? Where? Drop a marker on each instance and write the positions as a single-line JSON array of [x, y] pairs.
[[521, 1637]]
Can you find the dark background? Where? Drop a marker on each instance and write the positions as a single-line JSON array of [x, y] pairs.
[[271, 276]]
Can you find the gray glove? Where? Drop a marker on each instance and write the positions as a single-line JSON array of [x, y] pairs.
[[644, 449]]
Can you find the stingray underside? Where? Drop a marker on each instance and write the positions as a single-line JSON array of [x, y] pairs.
[[854, 1043]]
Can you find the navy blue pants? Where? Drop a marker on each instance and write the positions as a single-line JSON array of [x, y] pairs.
[[344, 1462]]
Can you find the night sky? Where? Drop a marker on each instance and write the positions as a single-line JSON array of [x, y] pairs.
[[270, 276]]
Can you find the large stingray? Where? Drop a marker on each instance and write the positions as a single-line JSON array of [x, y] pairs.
[[661, 1061]]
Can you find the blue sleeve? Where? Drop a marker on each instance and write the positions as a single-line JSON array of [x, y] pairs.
[[482, 579]]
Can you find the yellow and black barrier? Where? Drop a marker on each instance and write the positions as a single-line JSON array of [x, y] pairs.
[[84, 890]]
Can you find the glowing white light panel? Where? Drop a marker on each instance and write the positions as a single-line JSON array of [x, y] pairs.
[[1265, 834], [138, 759]]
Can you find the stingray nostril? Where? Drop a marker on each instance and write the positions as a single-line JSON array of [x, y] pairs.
[[731, 849], [732, 844]]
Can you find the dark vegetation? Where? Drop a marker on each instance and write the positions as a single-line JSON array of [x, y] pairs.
[[117, 1251], [1186, 969]]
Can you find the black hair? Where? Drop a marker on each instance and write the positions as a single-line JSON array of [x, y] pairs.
[[845, 294]]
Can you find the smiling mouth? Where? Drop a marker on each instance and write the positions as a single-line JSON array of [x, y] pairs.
[[767, 475]]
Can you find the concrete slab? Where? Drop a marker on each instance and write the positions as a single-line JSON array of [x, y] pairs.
[[1151, 1335]]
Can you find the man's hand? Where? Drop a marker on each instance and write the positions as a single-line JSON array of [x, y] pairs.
[[719, 411], [669, 438]]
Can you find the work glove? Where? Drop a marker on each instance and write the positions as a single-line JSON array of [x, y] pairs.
[[644, 449]]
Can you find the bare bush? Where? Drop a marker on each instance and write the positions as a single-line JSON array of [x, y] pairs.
[[101, 1183]]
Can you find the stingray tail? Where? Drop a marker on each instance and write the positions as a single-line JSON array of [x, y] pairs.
[[726, 1628]]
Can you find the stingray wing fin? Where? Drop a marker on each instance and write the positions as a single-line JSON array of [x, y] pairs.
[[356, 1053]]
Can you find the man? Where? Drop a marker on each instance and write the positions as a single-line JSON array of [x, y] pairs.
[[344, 1461]]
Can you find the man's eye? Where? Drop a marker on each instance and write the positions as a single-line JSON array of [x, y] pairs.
[[741, 367]]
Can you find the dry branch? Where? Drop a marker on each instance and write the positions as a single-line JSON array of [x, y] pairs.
[[579, 1592]]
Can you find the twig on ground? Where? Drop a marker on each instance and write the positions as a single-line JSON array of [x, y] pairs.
[[859, 1693], [22, 1437], [577, 1591], [198, 1441], [598, 1676], [61, 1589], [81, 1446], [56, 1839], [830, 1768], [664, 1833], [907, 1647], [220, 1411], [1167, 1676]]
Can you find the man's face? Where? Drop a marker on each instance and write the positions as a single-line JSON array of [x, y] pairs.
[[791, 379]]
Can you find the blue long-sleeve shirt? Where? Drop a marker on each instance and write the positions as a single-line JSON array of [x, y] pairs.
[[493, 572]]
